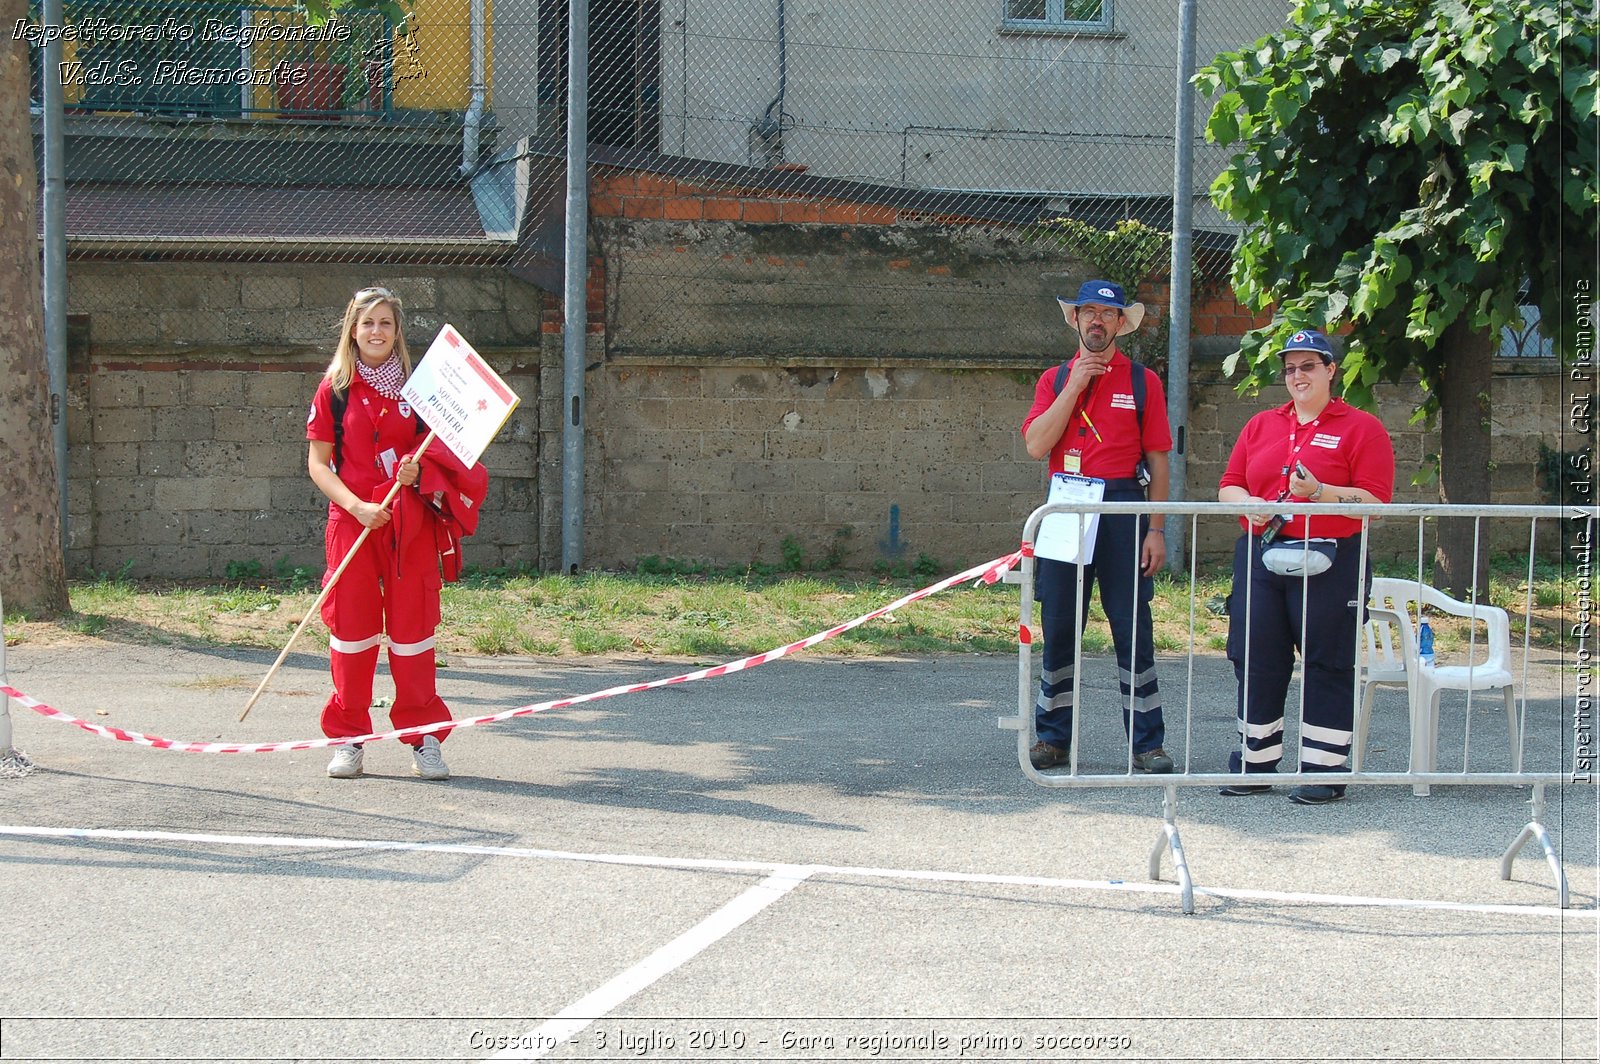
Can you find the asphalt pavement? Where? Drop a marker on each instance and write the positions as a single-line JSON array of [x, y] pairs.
[[816, 859]]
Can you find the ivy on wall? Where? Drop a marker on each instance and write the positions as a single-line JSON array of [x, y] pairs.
[[1126, 253]]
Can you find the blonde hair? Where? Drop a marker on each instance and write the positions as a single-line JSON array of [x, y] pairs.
[[342, 370]]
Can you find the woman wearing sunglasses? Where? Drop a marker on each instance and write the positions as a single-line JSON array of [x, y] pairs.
[[1296, 580]]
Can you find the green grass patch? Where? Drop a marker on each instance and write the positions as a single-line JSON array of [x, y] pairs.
[[677, 609]]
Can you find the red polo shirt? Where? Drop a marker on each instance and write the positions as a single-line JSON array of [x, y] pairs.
[[378, 432], [1343, 446], [1112, 447]]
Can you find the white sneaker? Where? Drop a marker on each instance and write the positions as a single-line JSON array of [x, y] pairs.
[[346, 763], [428, 762]]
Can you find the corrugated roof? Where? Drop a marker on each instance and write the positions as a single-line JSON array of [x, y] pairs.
[[219, 212]]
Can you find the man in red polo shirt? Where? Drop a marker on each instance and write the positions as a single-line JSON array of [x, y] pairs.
[[1090, 425]]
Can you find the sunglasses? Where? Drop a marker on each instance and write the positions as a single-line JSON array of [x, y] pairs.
[[1290, 370]]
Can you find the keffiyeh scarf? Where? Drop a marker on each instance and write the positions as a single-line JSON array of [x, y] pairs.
[[386, 379]]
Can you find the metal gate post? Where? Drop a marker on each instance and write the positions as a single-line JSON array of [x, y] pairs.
[[575, 291], [1169, 840], [1535, 830]]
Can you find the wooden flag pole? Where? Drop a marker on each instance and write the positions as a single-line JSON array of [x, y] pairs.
[[334, 579]]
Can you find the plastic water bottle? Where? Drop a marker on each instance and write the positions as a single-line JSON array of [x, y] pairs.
[[1425, 644]]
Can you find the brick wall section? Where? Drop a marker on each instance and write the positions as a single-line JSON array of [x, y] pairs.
[[626, 194], [189, 401], [1220, 315]]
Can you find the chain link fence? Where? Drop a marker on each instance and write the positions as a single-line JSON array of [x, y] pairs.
[[807, 186], [198, 126], [1045, 125], [214, 122], [243, 132], [786, 183]]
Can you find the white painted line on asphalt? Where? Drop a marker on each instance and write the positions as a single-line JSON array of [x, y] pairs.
[[567, 1023], [1241, 894], [774, 867]]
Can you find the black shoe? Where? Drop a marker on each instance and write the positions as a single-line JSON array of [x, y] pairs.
[[1317, 794], [1240, 790], [1045, 755]]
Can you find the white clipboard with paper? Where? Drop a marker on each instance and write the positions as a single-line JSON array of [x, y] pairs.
[[1061, 537]]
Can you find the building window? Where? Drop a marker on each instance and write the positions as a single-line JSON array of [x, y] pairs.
[[624, 71], [1528, 341], [1075, 16]]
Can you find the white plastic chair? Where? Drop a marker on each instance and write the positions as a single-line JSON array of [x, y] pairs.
[[1393, 659]]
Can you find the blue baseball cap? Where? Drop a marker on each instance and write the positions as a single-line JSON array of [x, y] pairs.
[[1313, 341], [1104, 294]]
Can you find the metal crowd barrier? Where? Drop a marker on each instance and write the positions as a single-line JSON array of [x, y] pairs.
[[1581, 521]]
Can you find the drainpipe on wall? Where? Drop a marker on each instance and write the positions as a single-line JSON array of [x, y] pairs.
[[767, 133], [474, 116], [247, 92]]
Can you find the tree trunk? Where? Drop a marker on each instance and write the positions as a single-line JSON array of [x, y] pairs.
[[1464, 459], [32, 569]]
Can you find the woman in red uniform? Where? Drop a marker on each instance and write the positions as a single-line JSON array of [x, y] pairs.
[[1314, 448], [364, 439]]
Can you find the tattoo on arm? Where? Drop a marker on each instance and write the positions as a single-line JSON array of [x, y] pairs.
[[1350, 498]]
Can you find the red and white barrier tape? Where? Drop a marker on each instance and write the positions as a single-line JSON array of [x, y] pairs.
[[989, 572]]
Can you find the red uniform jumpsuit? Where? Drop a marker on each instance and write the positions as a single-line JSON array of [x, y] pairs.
[[391, 585]]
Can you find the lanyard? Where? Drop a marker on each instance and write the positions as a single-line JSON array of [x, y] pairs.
[[1083, 412], [377, 459], [1293, 453]]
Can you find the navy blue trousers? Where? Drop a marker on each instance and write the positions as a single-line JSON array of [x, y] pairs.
[[1326, 606], [1125, 597]]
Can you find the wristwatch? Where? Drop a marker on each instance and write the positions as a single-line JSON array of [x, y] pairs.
[[1315, 495]]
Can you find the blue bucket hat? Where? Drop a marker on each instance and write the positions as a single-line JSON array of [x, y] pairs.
[[1313, 341], [1105, 294]]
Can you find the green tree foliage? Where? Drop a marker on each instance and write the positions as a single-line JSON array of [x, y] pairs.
[[1404, 166], [319, 11]]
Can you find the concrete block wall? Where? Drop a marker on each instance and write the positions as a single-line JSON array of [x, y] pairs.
[[189, 391], [724, 463], [776, 366], [773, 366], [721, 464], [190, 382]]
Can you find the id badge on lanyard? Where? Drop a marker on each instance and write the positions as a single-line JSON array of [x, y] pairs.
[[1292, 459], [1072, 461], [385, 460]]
